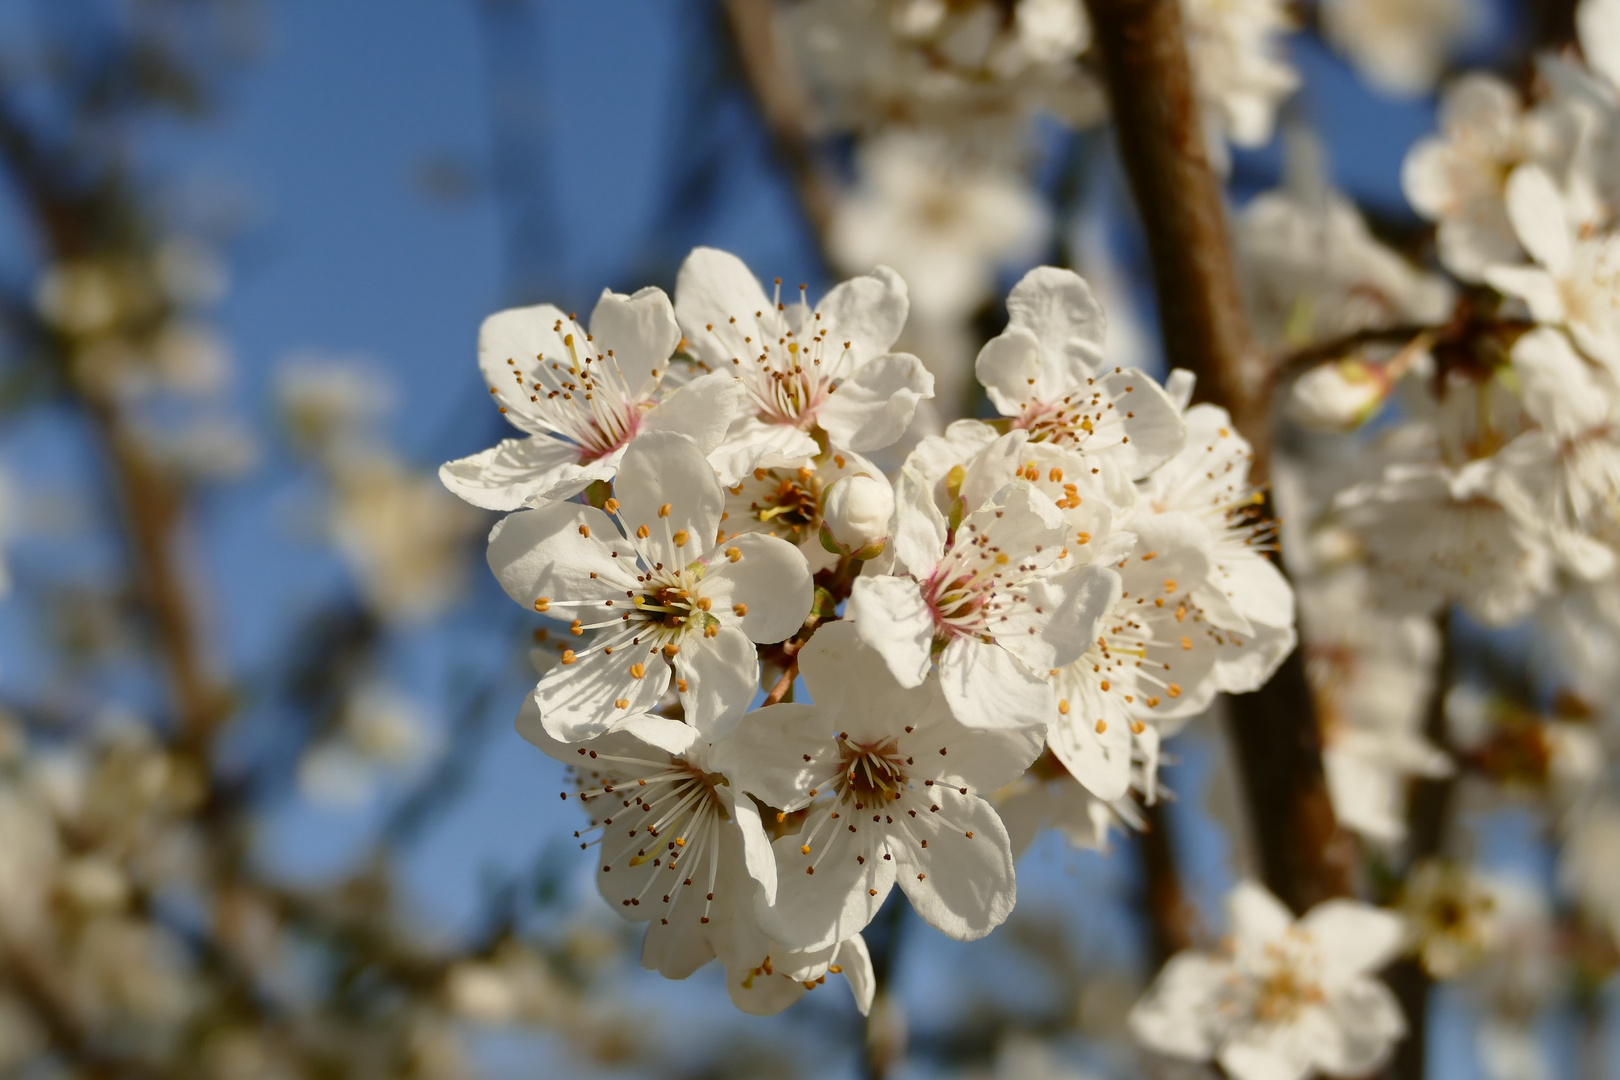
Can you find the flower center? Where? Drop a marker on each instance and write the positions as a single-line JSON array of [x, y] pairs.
[[789, 369], [582, 398]]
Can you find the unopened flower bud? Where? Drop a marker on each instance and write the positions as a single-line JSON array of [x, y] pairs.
[[855, 515], [1337, 396]]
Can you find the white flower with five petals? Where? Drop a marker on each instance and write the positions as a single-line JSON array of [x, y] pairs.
[[646, 575], [993, 600], [580, 397], [1045, 371], [1285, 1000], [802, 369], [889, 787], [681, 849]]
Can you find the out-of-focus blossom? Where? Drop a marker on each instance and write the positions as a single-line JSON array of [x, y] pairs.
[[1239, 68], [1458, 178], [403, 537], [1453, 913], [1433, 536], [945, 226], [1399, 46], [963, 69], [1372, 675], [1313, 271], [1283, 998]]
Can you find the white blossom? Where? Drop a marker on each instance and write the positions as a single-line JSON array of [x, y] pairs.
[[829, 368], [945, 226], [581, 397], [889, 785], [1399, 46], [647, 578], [1045, 371], [1284, 1000]]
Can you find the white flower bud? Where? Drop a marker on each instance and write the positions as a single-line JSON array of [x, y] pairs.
[[855, 513], [1338, 396]]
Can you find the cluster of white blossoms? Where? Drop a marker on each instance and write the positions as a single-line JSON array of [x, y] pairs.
[[1466, 429], [1037, 600]]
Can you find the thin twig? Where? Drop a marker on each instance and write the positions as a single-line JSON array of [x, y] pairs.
[[786, 111]]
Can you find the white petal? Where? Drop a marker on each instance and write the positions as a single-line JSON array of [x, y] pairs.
[[722, 677], [769, 577], [987, 687], [1060, 309], [813, 911], [868, 312], [713, 287], [892, 618], [553, 552], [504, 476], [511, 341], [702, 410], [874, 407], [1073, 601], [1533, 285], [581, 700], [1354, 938], [1010, 367], [1262, 1052], [1152, 424], [1536, 208], [1256, 917], [983, 760], [1370, 1023], [856, 961], [641, 332], [1598, 23], [758, 858], [919, 527], [962, 883], [662, 468], [765, 754], [1178, 1014], [847, 677], [1099, 760]]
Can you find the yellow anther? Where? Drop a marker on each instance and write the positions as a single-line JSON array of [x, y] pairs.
[[1174, 689], [1001, 558], [543, 604], [611, 506], [1102, 726], [1063, 706], [663, 511], [568, 656], [622, 703], [740, 609], [680, 538], [1105, 684], [584, 530], [704, 603], [642, 532], [804, 849], [712, 630], [1186, 644], [671, 649], [638, 670], [577, 628], [1169, 584], [733, 553]]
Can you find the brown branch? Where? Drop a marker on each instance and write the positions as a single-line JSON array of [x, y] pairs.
[[785, 110], [1303, 855], [1428, 813], [1166, 903]]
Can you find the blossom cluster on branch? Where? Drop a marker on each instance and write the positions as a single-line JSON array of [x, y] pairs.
[[1019, 620]]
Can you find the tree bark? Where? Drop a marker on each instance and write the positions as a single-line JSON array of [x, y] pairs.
[[1303, 855]]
